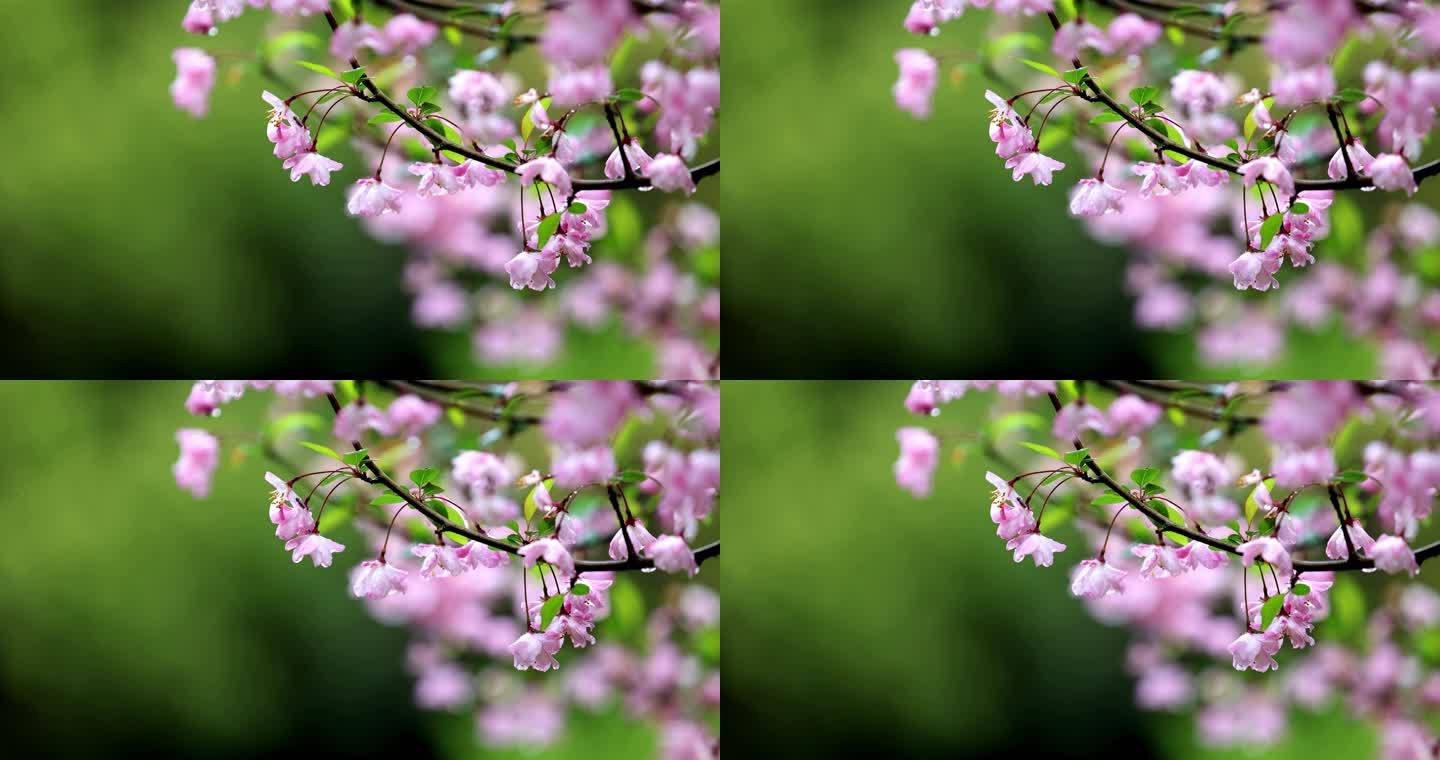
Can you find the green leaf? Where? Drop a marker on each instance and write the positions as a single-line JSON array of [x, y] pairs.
[[355, 458], [1077, 457], [387, 500], [353, 76], [628, 95], [580, 589], [1143, 95], [578, 208], [1145, 476], [1300, 589], [1075, 76], [1040, 449], [1038, 66], [1350, 95], [1352, 476], [1109, 117], [550, 609], [1270, 609], [548, 225], [418, 95], [1109, 499], [385, 117], [1269, 227], [530, 507], [428, 108], [423, 475], [631, 476], [1299, 208], [318, 69], [318, 449]]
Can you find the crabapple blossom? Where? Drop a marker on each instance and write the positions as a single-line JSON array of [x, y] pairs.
[[919, 453], [1119, 84], [435, 503], [435, 141], [1152, 568]]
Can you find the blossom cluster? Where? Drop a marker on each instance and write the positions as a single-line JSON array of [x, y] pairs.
[[507, 549], [1235, 542], [1217, 183], [493, 184]]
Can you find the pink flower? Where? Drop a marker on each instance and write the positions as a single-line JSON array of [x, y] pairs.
[[1255, 651], [1297, 86], [356, 417], [1196, 555], [283, 128], [1077, 35], [409, 414], [377, 579], [199, 454], [351, 36], [1093, 579], [439, 179], [1271, 170], [551, 552], [476, 554], [919, 453], [287, 512], [1129, 33], [1095, 197], [639, 536], [1393, 555], [669, 173], [536, 650], [440, 560], [1335, 548], [1200, 471], [482, 471], [1159, 179], [198, 18], [404, 34], [1268, 549], [479, 91], [639, 160], [1359, 157], [532, 269], [315, 546], [546, 170], [1077, 416], [1035, 546], [1037, 165], [1198, 173], [1302, 467], [193, 81], [1006, 130], [1010, 515], [1390, 172], [371, 197], [670, 554], [919, 73], [1252, 271], [1159, 561], [311, 164], [1131, 415]]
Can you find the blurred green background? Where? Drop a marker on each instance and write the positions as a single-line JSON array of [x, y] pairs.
[[941, 262], [142, 242], [859, 619], [139, 620]]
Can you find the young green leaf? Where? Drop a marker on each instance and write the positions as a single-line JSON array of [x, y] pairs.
[[550, 609], [1143, 95], [318, 449], [1076, 458], [1038, 66], [318, 69], [1270, 609], [548, 225], [385, 117], [580, 589], [628, 95], [631, 476], [423, 476], [1041, 449], [355, 458], [418, 95], [353, 76]]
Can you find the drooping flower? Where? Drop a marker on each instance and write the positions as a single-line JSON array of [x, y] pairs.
[[551, 552], [639, 537], [370, 197], [1359, 158], [532, 269], [668, 173], [1158, 561], [919, 73], [439, 560], [1041, 549], [1270, 169], [1393, 555], [1269, 550], [536, 651], [377, 579], [671, 554], [1093, 579], [1336, 548], [1390, 172], [638, 158], [1039, 166], [919, 454], [315, 546], [1095, 197], [199, 455], [1254, 651], [313, 165], [547, 170], [194, 78]]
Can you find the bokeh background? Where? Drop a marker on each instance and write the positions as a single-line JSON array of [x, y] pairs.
[[872, 241], [862, 620], [142, 242], [139, 621]]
